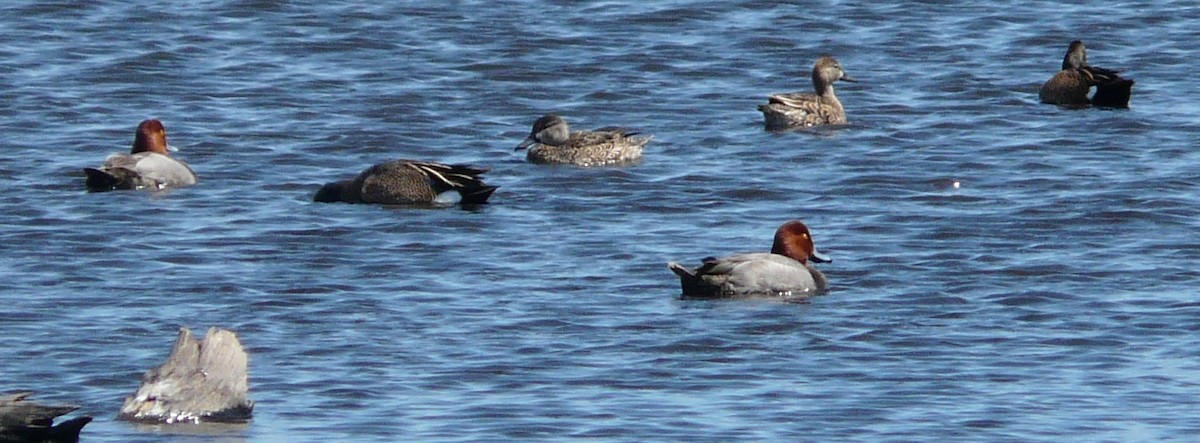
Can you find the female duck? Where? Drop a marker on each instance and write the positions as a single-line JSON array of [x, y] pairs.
[[407, 182], [147, 166], [554, 143], [1070, 86], [782, 272], [809, 109]]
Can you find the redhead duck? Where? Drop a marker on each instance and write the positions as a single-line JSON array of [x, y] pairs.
[[1070, 86], [806, 108], [784, 271], [26, 421], [146, 166], [554, 143], [407, 182]]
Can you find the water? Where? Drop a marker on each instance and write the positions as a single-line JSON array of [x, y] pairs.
[[1049, 297]]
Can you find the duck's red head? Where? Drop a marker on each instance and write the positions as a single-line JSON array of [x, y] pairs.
[[792, 239], [151, 137]]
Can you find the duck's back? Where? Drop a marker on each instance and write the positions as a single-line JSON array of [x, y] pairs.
[[144, 170], [801, 109], [400, 182], [1067, 87], [752, 274], [592, 148], [395, 182]]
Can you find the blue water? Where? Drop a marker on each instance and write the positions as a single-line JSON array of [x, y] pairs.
[[1049, 297]]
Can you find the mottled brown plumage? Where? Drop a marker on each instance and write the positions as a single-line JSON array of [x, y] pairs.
[[1071, 85], [807, 108], [553, 143]]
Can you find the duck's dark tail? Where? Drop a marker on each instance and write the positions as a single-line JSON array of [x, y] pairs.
[[1114, 94], [689, 281], [22, 420], [100, 180], [682, 271], [476, 195], [465, 179], [68, 431]]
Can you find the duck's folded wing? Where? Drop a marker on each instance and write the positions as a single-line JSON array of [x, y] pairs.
[[163, 170], [768, 274], [795, 99]]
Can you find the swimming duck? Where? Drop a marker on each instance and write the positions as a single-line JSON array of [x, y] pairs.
[[806, 108], [1070, 86], [27, 421], [147, 166], [406, 182], [554, 143], [784, 271]]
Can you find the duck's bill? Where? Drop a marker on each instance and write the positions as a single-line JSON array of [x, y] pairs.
[[525, 143], [819, 257], [847, 78]]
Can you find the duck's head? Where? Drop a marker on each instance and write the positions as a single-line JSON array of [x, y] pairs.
[[792, 239], [151, 137], [1076, 56], [826, 71], [549, 130]]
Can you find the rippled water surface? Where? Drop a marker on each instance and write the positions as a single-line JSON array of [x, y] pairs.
[[1050, 296]]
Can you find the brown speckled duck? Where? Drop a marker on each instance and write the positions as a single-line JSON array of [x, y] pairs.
[[553, 143], [806, 108], [1070, 86]]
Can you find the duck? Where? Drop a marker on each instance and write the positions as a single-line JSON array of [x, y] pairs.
[[801, 109], [410, 182], [148, 165], [27, 421], [784, 272], [553, 143], [1070, 86]]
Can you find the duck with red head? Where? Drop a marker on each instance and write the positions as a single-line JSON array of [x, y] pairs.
[[785, 271], [148, 164]]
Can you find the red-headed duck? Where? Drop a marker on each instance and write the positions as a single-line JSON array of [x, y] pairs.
[[553, 143], [807, 108], [408, 182], [784, 271], [146, 166], [1070, 86]]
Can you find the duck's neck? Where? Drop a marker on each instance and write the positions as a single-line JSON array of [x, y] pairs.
[[828, 97], [1075, 59], [824, 88]]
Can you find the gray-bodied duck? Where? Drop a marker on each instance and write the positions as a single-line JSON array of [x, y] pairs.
[[553, 143], [784, 271], [148, 164], [410, 182], [1070, 86], [806, 108]]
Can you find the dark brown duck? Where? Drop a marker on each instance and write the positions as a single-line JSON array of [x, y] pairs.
[[1071, 85]]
